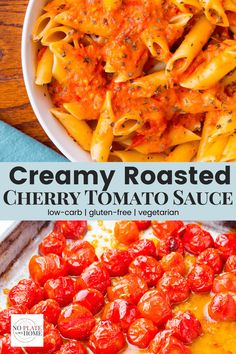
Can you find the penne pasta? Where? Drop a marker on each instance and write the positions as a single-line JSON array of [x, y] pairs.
[[229, 152], [135, 156], [56, 34], [215, 12], [127, 124], [44, 68], [183, 152], [43, 24]]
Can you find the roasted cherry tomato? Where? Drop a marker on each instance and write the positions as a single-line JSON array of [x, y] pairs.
[[76, 322], [116, 261], [5, 317], [165, 343], [92, 299], [164, 229], [173, 261], [226, 244], [196, 239], [96, 277], [147, 268], [78, 255], [141, 332], [74, 229], [49, 308], [47, 267], [120, 312], [168, 245], [212, 258], [62, 289], [201, 278], [5, 346], [175, 286], [155, 306], [52, 341], [26, 293], [106, 338], [126, 232], [142, 224], [223, 307], [53, 243], [185, 326], [230, 265], [224, 282], [143, 247], [130, 288], [72, 347]]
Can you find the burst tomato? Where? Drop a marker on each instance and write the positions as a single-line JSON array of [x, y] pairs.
[[126, 232], [201, 278], [196, 239], [5, 346], [164, 229], [96, 277], [165, 343], [120, 312], [175, 286], [155, 306], [47, 267], [5, 317], [143, 247], [173, 261], [211, 257], [226, 244], [142, 224], [78, 255], [72, 347], [49, 308], [185, 326], [141, 332], [223, 307], [147, 268], [130, 288], [53, 243], [224, 282], [26, 293], [168, 245], [230, 265], [76, 322], [116, 262], [92, 299], [74, 229], [106, 338]]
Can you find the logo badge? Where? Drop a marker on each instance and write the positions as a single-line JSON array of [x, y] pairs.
[[27, 330]]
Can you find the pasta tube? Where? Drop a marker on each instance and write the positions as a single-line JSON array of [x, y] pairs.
[[135, 156], [44, 68], [215, 12]]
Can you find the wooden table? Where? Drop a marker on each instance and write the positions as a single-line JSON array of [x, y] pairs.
[[15, 108]]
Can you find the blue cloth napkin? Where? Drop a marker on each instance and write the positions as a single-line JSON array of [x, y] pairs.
[[18, 147]]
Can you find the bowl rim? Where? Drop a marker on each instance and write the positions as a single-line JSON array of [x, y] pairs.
[[33, 101]]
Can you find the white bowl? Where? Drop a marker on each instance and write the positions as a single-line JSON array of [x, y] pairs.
[[38, 96]]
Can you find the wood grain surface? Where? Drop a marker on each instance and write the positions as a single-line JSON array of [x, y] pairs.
[[15, 108]]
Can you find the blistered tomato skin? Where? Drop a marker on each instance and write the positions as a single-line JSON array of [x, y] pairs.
[[126, 232], [5, 317], [120, 312], [52, 341], [73, 229], [106, 338], [147, 268], [185, 326], [76, 322], [230, 265], [5, 346], [116, 261], [212, 258], [196, 239], [26, 293], [130, 288], [47, 267], [173, 261], [53, 243], [226, 244], [92, 299], [201, 278], [141, 332], [142, 248], [223, 307], [164, 229], [96, 277], [165, 343], [155, 307], [49, 308], [62, 289], [170, 244], [142, 224], [175, 286], [224, 282], [78, 255], [72, 347]]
